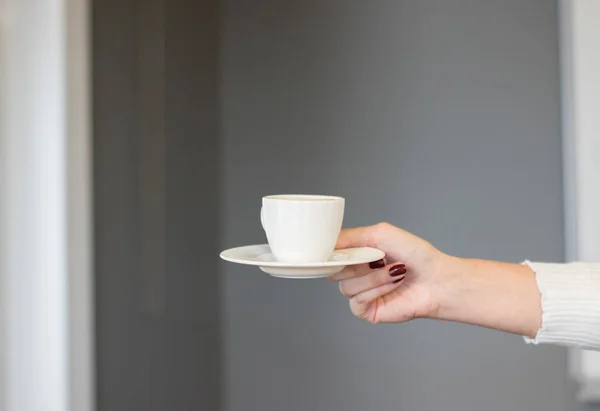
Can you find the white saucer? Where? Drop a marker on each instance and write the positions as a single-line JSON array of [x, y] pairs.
[[260, 255]]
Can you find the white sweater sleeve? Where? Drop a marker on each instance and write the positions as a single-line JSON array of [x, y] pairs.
[[570, 296]]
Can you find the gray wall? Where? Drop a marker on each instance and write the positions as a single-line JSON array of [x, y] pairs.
[[155, 101], [441, 116]]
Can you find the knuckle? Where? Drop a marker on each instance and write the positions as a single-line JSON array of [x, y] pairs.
[[383, 276], [371, 319], [380, 230], [361, 311], [383, 226], [355, 310], [361, 299], [344, 288], [375, 279]]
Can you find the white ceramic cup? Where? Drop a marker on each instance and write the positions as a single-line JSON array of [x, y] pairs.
[[302, 228]]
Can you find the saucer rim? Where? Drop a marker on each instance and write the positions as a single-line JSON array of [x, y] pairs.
[[276, 264]]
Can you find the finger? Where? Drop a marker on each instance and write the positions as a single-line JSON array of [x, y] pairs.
[[361, 303], [375, 279], [352, 271], [356, 237], [392, 240]]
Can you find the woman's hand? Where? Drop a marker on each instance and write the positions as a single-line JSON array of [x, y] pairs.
[[406, 285], [418, 281]]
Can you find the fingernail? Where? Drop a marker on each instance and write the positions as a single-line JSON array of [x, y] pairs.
[[377, 264], [397, 270], [398, 280]]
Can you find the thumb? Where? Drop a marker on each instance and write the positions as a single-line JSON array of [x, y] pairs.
[[393, 241], [356, 237]]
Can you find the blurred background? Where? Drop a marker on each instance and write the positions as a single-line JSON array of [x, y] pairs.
[[440, 116]]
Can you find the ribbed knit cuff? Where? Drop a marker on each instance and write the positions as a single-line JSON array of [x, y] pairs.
[[570, 295]]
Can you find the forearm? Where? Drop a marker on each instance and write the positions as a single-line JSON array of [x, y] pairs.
[[490, 294], [546, 303]]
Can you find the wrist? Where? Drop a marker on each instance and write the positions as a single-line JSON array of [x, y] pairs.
[[501, 296], [450, 285]]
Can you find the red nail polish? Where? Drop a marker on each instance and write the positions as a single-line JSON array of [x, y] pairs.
[[377, 264], [397, 270], [398, 280]]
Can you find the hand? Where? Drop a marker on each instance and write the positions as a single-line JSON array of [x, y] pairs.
[[418, 281], [404, 286]]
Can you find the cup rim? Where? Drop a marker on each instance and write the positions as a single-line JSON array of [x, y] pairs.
[[302, 197]]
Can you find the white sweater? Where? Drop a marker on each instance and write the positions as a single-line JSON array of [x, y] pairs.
[[570, 304]]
